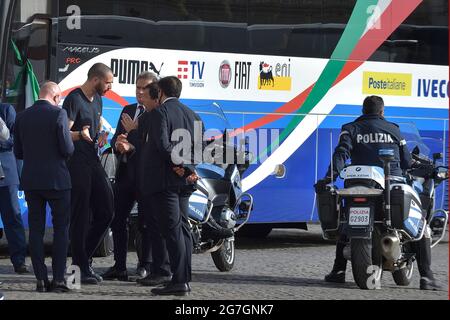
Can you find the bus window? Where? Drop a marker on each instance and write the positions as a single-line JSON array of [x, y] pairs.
[[421, 39]]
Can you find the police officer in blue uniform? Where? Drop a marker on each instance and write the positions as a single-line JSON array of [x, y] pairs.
[[360, 141]]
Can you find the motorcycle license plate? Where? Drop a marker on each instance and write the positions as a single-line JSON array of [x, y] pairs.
[[359, 216]]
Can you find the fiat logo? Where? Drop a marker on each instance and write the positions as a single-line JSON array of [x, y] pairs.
[[225, 74]]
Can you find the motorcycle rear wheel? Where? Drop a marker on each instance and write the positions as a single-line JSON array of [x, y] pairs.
[[366, 263], [224, 257]]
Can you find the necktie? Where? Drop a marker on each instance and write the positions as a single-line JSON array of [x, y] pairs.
[[139, 112]]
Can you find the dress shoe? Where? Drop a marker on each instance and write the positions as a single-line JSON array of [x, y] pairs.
[[152, 281], [42, 286], [173, 289], [21, 269], [429, 284], [141, 272], [113, 274], [95, 275], [2, 297], [335, 276], [59, 287], [88, 278]]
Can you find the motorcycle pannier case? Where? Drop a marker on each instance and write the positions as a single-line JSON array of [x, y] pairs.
[[328, 215], [406, 210]]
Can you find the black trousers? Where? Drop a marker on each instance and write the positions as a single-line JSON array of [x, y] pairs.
[[59, 202], [91, 210], [125, 195], [149, 208], [173, 221]]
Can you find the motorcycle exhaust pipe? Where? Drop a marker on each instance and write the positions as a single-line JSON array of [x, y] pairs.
[[390, 248]]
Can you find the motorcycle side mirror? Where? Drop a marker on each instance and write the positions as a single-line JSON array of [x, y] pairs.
[[441, 173], [437, 156], [280, 171]]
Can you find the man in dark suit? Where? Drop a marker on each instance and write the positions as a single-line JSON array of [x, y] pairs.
[[125, 188], [134, 144], [43, 141], [9, 203], [170, 191]]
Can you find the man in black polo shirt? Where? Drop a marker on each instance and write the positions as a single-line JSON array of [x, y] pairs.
[[92, 197]]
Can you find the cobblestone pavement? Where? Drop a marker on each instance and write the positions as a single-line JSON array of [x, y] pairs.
[[289, 264]]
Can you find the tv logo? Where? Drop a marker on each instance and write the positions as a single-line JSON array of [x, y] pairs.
[[192, 70]]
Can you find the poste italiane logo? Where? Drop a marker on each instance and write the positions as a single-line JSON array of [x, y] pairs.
[[383, 83]]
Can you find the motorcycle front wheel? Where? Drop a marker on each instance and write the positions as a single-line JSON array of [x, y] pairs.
[[366, 263], [403, 276], [224, 257]]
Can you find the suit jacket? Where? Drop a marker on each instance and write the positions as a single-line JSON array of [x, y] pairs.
[[43, 141], [7, 159], [156, 155], [126, 171]]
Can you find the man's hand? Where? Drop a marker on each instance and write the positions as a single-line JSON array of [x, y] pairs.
[[128, 123], [122, 144], [193, 178], [321, 184], [85, 135], [179, 171]]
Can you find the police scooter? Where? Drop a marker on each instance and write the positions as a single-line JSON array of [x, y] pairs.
[[382, 216]]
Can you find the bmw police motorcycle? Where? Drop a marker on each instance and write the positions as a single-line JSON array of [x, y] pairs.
[[218, 208], [383, 215]]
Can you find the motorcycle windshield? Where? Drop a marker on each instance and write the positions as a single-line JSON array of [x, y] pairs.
[[412, 136], [214, 119]]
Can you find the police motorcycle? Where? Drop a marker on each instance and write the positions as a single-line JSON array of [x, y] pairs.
[[382, 216], [218, 208]]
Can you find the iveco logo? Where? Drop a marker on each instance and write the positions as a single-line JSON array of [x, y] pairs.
[[358, 169]]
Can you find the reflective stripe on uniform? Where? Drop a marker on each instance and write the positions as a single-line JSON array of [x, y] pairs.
[[343, 132]]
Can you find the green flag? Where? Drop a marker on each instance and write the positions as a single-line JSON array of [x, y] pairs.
[[27, 77]]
